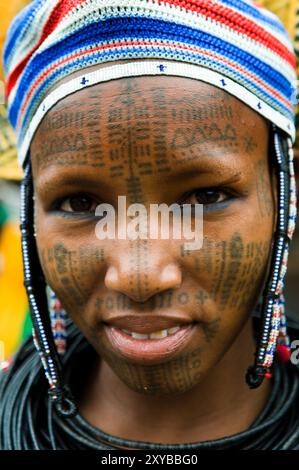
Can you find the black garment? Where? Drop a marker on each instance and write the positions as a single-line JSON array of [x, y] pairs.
[[28, 421]]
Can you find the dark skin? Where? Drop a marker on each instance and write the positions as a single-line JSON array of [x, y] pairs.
[[155, 140]]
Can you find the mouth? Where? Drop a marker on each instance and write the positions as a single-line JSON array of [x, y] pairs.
[[151, 348]]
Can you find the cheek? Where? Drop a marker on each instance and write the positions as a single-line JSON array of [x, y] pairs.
[[230, 269], [72, 261]]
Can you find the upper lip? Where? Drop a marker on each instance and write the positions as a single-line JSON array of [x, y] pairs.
[[146, 324]]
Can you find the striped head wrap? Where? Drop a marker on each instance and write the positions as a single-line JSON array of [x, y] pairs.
[[233, 44]]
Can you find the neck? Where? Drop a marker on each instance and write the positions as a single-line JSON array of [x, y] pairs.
[[220, 405]]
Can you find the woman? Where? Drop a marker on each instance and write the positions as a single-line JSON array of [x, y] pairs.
[[161, 103]]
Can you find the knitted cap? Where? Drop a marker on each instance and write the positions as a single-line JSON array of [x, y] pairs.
[[232, 44]]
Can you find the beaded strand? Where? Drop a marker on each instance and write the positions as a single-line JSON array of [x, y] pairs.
[[273, 333], [36, 291]]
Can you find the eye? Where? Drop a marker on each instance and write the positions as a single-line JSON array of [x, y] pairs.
[[78, 203], [207, 197]]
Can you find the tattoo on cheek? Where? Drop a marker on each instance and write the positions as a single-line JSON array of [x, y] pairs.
[[236, 248], [211, 329], [263, 190], [233, 268], [70, 273]]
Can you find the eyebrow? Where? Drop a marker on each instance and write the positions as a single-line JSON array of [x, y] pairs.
[[46, 183], [211, 165], [204, 165], [196, 172]]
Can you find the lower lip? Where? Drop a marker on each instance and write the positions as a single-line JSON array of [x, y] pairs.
[[149, 351]]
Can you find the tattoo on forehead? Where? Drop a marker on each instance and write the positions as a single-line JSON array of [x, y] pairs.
[[69, 145], [78, 136], [160, 145], [93, 131], [123, 140], [66, 120], [83, 133], [184, 138], [249, 143], [184, 110], [213, 124], [136, 140]]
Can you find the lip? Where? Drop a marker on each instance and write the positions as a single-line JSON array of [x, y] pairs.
[[149, 351], [146, 323]]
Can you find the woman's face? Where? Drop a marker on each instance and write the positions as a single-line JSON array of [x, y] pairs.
[[155, 140]]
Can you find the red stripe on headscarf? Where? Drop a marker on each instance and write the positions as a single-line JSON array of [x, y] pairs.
[[56, 16]]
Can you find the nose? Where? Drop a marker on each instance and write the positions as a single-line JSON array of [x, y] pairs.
[[140, 276]]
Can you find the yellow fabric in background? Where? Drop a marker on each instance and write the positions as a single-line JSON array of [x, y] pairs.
[[9, 9], [286, 10], [9, 168], [13, 301]]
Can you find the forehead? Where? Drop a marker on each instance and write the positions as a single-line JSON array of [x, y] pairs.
[[182, 115]]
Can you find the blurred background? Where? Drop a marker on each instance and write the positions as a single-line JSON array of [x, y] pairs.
[[15, 322]]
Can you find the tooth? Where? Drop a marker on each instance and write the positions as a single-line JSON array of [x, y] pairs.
[[158, 334], [139, 335], [155, 335], [127, 331], [172, 330]]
